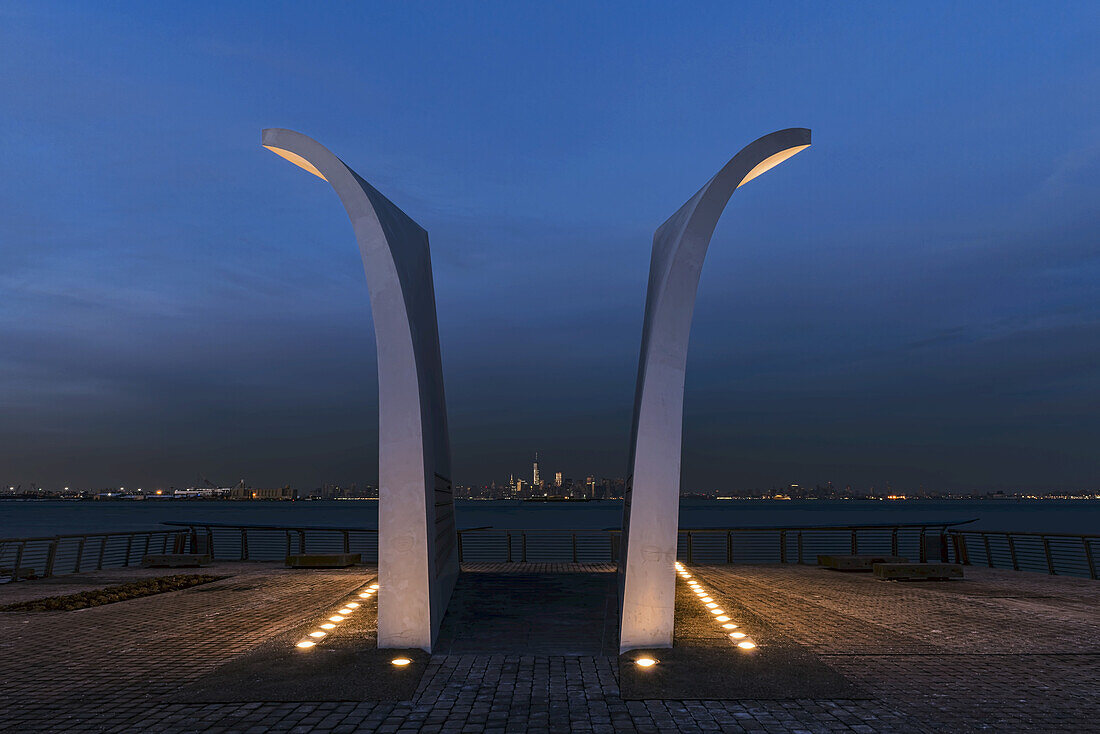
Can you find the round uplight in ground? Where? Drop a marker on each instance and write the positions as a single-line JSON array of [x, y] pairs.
[[400, 662], [353, 604], [345, 610], [711, 604], [336, 618], [746, 645], [646, 662], [707, 599], [306, 643], [375, 587], [723, 618], [318, 634], [328, 626], [365, 595], [716, 611], [728, 625], [738, 635]]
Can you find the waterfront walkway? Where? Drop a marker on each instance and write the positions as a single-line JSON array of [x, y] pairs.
[[1000, 650]]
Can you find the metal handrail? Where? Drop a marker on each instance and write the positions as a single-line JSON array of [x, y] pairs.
[[45, 556], [1054, 553], [1068, 554]]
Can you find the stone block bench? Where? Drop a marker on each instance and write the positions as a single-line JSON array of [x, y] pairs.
[[23, 572], [856, 563], [918, 571], [323, 560], [176, 560]]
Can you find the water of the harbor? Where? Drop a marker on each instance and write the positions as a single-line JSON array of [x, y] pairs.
[[20, 518]]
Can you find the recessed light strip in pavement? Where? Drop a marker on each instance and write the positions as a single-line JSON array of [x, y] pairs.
[[735, 635], [346, 609]]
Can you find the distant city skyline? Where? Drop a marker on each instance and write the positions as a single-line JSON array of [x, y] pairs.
[[532, 485], [177, 301]]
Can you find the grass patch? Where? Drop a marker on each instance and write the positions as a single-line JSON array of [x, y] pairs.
[[111, 594]]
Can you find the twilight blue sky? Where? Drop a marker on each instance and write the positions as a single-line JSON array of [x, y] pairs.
[[912, 300]]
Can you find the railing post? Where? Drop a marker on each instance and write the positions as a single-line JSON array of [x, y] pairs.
[[729, 546], [129, 547], [288, 542], [1049, 555], [800, 547], [988, 551], [691, 554], [855, 543], [210, 542], [574, 547], [244, 544], [961, 554], [51, 556], [1012, 551], [509, 537], [894, 542], [301, 541], [1088, 557], [611, 547], [459, 534], [923, 552], [523, 541], [102, 548], [782, 546], [79, 553], [18, 561], [148, 538], [347, 542]]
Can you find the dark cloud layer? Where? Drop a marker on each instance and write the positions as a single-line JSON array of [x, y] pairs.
[[913, 300]]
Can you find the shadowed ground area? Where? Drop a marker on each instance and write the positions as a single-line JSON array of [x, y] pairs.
[[999, 650], [536, 613]]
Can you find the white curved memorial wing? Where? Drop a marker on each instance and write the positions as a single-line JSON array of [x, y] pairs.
[[651, 511], [417, 551]]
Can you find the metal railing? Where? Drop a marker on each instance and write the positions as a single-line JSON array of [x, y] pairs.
[[1062, 554], [61, 554], [233, 542], [1055, 553], [793, 544]]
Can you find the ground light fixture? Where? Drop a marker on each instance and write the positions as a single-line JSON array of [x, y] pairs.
[[305, 643], [645, 662], [400, 662]]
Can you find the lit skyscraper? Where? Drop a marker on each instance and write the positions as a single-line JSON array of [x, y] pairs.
[[557, 479], [535, 471]]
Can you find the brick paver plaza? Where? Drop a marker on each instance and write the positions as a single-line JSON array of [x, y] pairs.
[[1000, 650]]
